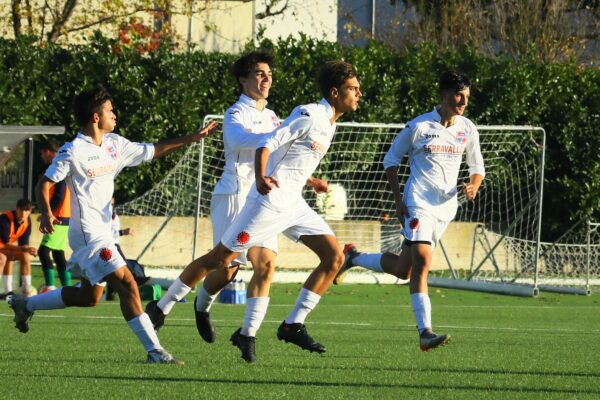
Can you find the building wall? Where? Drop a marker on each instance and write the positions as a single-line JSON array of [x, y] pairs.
[[172, 247]]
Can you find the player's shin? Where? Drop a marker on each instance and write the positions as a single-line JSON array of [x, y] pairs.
[[305, 303], [256, 309], [51, 300], [177, 291]]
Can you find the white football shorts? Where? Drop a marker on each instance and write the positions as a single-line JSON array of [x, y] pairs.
[[421, 226], [223, 211], [95, 261], [257, 222]]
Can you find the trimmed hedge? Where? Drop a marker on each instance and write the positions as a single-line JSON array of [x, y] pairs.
[[167, 94]]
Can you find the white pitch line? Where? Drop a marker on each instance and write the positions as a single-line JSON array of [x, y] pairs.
[[485, 328]]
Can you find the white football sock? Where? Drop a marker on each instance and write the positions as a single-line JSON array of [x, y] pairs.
[[51, 300], [205, 300], [370, 261], [422, 310], [176, 292], [256, 309], [305, 303], [143, 329], [25, 281], [7, 281]]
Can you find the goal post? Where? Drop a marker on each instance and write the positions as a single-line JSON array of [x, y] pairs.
[[494, 238]]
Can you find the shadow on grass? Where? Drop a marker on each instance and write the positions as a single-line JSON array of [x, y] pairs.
[[147, 379], [566, 374]]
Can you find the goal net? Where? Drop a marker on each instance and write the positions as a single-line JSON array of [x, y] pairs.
[[494, 238]]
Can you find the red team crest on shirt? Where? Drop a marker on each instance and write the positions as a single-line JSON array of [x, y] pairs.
[[276, 122], [461, 138], [414, 224], [243, 237], [112, 151], [105, 254]]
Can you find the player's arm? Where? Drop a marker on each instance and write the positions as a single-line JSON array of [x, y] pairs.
[[476, 167], [42, 194], [236, 133], [293, 128], [392, 159], [60, 189], [264, 183], [24, 241], [318, 185], [168, 146]]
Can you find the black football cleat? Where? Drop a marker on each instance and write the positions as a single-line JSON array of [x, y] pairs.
[[246, 344], [156, 315], [205, 327], [297, 334]]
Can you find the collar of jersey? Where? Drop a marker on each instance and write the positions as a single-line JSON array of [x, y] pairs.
[[249, 101], [436, 115], [327, 106]]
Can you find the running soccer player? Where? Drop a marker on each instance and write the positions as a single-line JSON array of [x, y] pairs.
[[284, 162], [55, 242], [435, 143], [90, 164], [15, 229]]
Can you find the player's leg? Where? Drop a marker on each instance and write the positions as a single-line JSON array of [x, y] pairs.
[[331, 258], [212, 285], [85, 295], [218, 258], [263, 265], [6, 271], [398, 265], [423, 236], [124, 284], [25, 271], [223, 210], [61, 266], [47, 266]]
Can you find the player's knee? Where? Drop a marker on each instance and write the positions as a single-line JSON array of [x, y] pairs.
[[337, 259], [265, 270]]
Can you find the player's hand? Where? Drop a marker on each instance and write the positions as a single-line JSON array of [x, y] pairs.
[[208, 130], [47, 223], [128, 231], [319, 185], [265, 184], [30, 250], [469, 190]]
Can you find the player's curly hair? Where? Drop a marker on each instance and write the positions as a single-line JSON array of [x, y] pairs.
[[89, 102], [244, 65], [334, 74], [453, 81]]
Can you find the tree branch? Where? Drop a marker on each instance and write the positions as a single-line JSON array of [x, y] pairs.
[[111, 18], [269, 10], [62, 20], [16, 17]]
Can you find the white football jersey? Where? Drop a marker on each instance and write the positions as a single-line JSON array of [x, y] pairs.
[[435, 155], [243, 125], [90, 172], [297, 147]]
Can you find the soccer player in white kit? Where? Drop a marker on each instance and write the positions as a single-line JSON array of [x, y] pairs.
[[435, 143], [90, 163], [244, 124], [284, 162]]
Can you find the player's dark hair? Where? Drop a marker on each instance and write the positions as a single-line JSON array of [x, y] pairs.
[[24, 204], [334, 74], [89, 102], [50, 145], [454, 81], [244, 65]]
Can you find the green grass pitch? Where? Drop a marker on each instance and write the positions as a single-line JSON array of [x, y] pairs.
[[503, 348]]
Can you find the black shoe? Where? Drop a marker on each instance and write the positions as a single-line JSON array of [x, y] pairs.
[[297, 334], [156, 315], [4, 296], [205, 326], [428, 340], [246, 344]]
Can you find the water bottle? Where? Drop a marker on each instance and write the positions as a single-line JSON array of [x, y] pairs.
[[241, 292]]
